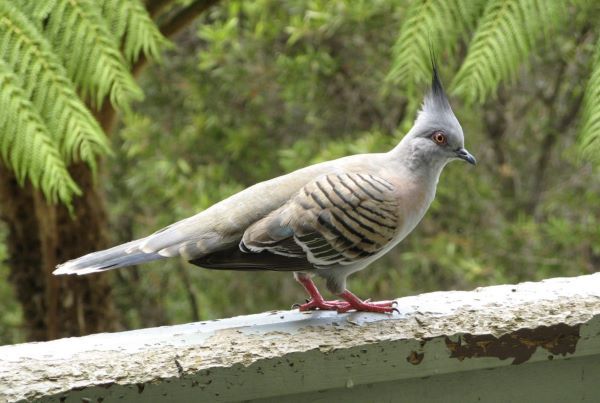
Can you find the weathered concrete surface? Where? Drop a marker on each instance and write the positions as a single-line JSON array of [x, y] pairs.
[[439, 340]]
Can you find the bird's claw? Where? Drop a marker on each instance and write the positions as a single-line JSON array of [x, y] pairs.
[[306, 305], [344, 306], [322, 305], [373, 306]]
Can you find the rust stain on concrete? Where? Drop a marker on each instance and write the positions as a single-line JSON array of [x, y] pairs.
[[559, 339], [415, 358]]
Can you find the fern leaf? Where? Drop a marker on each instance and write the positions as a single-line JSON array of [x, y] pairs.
[[26, 145], [437, 22], [590, 116], [99, 68], [37, 10], [508, 32], [40, 73], [131, 24]]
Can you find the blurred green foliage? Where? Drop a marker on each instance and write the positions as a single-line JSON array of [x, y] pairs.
[[261, 88]]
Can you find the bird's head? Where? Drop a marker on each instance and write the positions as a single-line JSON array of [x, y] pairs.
[[436, 136]]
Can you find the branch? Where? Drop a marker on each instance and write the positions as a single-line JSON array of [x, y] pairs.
[[495, 125], [155, 7], [107, 114], [174, 25], [190, 292], [553, 131], [547, 146], [185, 16]]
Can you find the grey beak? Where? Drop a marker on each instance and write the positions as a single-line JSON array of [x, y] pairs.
[[463, 154]]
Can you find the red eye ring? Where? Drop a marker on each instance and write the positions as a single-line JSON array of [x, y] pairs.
[[439, 138]]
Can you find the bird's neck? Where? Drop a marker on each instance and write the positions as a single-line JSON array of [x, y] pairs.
[[420, 177], [415, 162]]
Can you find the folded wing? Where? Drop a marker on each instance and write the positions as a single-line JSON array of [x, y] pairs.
[[335, 219]]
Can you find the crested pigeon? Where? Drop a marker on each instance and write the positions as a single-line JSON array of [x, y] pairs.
[[330, 219]]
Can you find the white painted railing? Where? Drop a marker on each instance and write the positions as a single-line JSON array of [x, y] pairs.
[[528, 342]]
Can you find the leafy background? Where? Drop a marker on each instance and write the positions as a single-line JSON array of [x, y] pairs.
[[256, 89]]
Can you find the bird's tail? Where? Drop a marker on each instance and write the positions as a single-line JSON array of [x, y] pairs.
[[127, 254]]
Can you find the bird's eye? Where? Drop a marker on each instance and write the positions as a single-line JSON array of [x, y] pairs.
[[439, 138]]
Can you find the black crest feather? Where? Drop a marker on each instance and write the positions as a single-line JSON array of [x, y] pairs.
[[437, 96]]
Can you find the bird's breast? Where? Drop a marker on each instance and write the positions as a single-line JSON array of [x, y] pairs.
[[414, 199]]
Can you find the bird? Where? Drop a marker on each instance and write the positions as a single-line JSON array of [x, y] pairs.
[[328, 220]]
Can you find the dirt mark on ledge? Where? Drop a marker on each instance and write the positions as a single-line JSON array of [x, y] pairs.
[[415, 358], [520, 345]]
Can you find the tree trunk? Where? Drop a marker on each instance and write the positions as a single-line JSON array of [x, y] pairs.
[[43, 235]]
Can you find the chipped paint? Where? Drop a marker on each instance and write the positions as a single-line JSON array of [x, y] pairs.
[[559, 339], [415, 358]]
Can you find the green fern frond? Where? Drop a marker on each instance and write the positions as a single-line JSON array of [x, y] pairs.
[[26, 145], [590, 116], [99, 70], [37, 10], [508, 32], [40, 73], [131, 24], [437, 22]]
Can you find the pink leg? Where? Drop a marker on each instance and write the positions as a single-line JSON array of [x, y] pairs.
[[357, 304], [316, 299], [352, 302]]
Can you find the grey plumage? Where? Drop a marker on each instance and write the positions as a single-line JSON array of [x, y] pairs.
[[112, 258], [329, 219]]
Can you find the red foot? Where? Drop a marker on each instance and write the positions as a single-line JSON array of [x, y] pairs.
[[323, 305], [352, 302], [355, 303]]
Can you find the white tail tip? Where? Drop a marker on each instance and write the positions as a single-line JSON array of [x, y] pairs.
[[63, 269]]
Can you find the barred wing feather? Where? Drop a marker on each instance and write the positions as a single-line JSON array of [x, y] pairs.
[[335, 219]]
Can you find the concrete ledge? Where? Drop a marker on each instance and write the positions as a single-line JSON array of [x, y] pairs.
[[541, 338]]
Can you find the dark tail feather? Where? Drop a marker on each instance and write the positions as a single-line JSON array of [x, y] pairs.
[[233, 258]]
